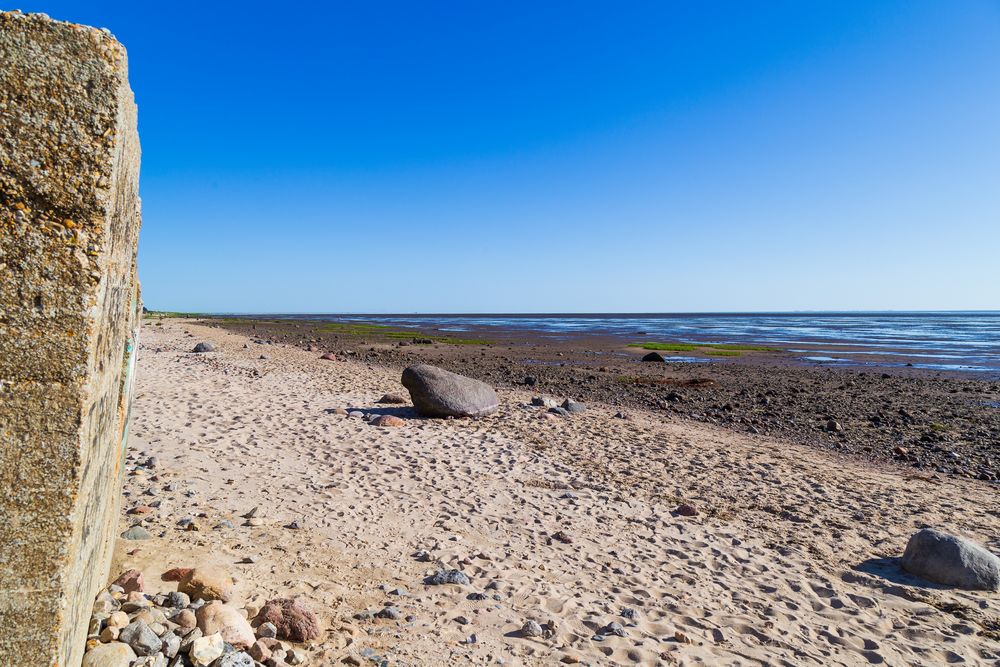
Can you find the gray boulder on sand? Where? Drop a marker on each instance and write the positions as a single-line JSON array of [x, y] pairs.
[[436, 392], [951, 560], [204, 347]]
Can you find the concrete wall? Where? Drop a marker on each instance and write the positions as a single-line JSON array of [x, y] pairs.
[[69, 316]]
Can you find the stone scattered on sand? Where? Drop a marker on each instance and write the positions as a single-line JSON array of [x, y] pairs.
[[442, 577], [614, 628], [204, 347], [292, 619], [531, 628], [684, 509], [388, 420], [654, 357], [559, 411], [529, 381], [951, 560], [217, 617], [329, 357], [436, 392], [573, 407], [130, 580], [136, 533], [833, 426], [207, 583], [393, 399], [544, 402]]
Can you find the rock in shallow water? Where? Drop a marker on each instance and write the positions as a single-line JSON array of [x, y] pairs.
[[439, 393], [654, 357], [951, 560]]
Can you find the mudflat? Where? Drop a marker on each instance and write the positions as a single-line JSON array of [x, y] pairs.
[[653, 539]]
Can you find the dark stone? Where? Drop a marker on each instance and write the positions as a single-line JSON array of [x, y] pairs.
[[654, 356], [204, 347], [436, 392]]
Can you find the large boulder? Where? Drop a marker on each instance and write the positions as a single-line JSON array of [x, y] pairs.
[[951, 560], [436, 392], [654, 357]]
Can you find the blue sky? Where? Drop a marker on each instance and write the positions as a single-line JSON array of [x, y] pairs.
[[564, 156]]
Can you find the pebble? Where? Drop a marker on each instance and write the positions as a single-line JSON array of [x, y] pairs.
[[390, 612], [448, 577], [136, 533], [531, 628], [141, 638], [205, 650]]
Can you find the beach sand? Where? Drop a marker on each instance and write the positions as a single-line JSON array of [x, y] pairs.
[[789, 561]]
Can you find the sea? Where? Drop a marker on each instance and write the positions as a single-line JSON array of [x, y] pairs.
[[963, 341]]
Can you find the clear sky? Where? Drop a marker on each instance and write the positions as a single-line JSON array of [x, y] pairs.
[[564, 156]]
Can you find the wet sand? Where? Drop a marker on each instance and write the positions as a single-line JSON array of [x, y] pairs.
[[790, 559]]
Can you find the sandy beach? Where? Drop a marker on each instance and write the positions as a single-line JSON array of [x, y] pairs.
[[789, 560]]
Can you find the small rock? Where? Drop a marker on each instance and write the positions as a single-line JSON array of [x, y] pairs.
[[614, 628], [259, 651], [291, 618], [834, 426], [573, 407], [448, 577], [207, 583], [654, 357], [390, 612], [142, 640], [136, 533], [531, 628], [227, 621], [204, 347], [392, 399], [130, 580], [234, 659], [684, 509], [112, 654], [206, 650]]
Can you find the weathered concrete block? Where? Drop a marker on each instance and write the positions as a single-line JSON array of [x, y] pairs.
[[69, 315]]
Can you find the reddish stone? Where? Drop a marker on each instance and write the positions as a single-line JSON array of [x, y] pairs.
[[294, 621], [176, 574], [141, 509], [130, 580], [329, 357]]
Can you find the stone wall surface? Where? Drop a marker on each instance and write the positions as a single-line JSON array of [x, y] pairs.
[[69, 316]]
